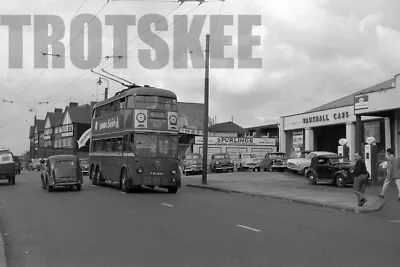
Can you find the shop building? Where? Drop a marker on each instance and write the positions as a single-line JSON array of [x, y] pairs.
[[321, 128], [190, 123], [385, 104]]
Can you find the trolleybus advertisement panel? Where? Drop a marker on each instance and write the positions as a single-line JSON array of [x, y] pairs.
[[156, 120]]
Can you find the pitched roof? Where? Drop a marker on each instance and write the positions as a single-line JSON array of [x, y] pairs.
[[226, 127], [55, 118], [267, 126], [40, 125], [194, 113], [80, 114], [349, 99]]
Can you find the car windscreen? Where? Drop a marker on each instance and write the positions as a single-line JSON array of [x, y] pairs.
[[84, 161], [193, 157], [274, 156], [221, 157], [6, 158], [152, 145], [338, 160], [168, 146], [65, 163], [248, 156]]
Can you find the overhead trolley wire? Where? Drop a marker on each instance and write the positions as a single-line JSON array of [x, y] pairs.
[[61, 33], [25, 89]]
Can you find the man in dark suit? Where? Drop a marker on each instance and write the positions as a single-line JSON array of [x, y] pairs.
[[393, 173], [360, 180]]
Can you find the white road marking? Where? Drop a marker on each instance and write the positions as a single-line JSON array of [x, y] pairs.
[[166, 204], [395, 221], [123, 192], [248, 228], [5, 234]]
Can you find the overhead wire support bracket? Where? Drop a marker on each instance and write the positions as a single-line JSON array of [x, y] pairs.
[[112, 79], [115, 76], [53, 55]]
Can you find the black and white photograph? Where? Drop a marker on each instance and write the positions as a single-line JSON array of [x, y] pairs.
[[199, 133]]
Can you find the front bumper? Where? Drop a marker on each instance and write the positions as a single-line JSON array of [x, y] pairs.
[[225, 167], [193, 169], [251, 166]]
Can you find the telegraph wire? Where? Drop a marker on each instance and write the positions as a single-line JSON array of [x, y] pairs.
[[65, 48], [76, 12], [74, 82], [159, 32], [219, 15], [119, 57]]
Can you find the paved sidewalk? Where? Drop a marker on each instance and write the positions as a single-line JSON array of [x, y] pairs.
[[2, 250], [288, 186]]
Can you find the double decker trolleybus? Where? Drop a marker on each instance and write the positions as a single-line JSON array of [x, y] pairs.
[[134, 140]]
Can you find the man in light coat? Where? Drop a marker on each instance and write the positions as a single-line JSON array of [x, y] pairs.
[[393, 173]]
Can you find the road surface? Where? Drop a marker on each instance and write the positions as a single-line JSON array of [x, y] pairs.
[[100, 226]]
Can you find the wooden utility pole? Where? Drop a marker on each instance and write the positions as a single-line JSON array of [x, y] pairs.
[[205, 125]]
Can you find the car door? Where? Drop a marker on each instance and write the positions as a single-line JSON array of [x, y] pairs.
[[323, 169]]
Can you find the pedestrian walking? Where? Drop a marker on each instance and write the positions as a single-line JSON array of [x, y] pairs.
[[360, 180], [393, 173]]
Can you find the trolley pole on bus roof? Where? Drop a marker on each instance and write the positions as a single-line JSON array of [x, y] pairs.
[[205, 125]]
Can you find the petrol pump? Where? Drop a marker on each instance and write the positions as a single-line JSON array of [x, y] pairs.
[[343, 149], [371, 158]]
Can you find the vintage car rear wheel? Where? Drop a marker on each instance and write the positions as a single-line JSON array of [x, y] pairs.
[[340, 180], [78, 187], [311, 178]]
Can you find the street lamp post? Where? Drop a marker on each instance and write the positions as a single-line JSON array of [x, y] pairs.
[[106, 89], [205, 122], [34, 139]]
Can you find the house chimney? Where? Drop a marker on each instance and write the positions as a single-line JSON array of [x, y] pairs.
[[73, 104], [57, 110]]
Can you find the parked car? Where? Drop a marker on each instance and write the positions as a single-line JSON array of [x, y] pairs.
[[300, 161], [274, 161], [333, 169], [62, 171], [7, 166], [248, 161], [18, 165], [84, 164], [221, 162], [192, 163]]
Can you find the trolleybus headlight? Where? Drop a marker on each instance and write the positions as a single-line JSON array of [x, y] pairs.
[[173, 172], [139, 170]]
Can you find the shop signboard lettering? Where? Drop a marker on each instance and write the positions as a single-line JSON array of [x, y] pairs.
[[215, 140], [326, 118]]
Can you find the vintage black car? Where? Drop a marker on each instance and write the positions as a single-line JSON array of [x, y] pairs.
[[7, 166], [221, 162], [274, 161], [192, 163], [333, 169], [61, 171]]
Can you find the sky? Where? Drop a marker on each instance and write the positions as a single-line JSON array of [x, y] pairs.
[[312, 51]]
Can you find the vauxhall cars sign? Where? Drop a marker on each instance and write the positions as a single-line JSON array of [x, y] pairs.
[[326, 117]]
